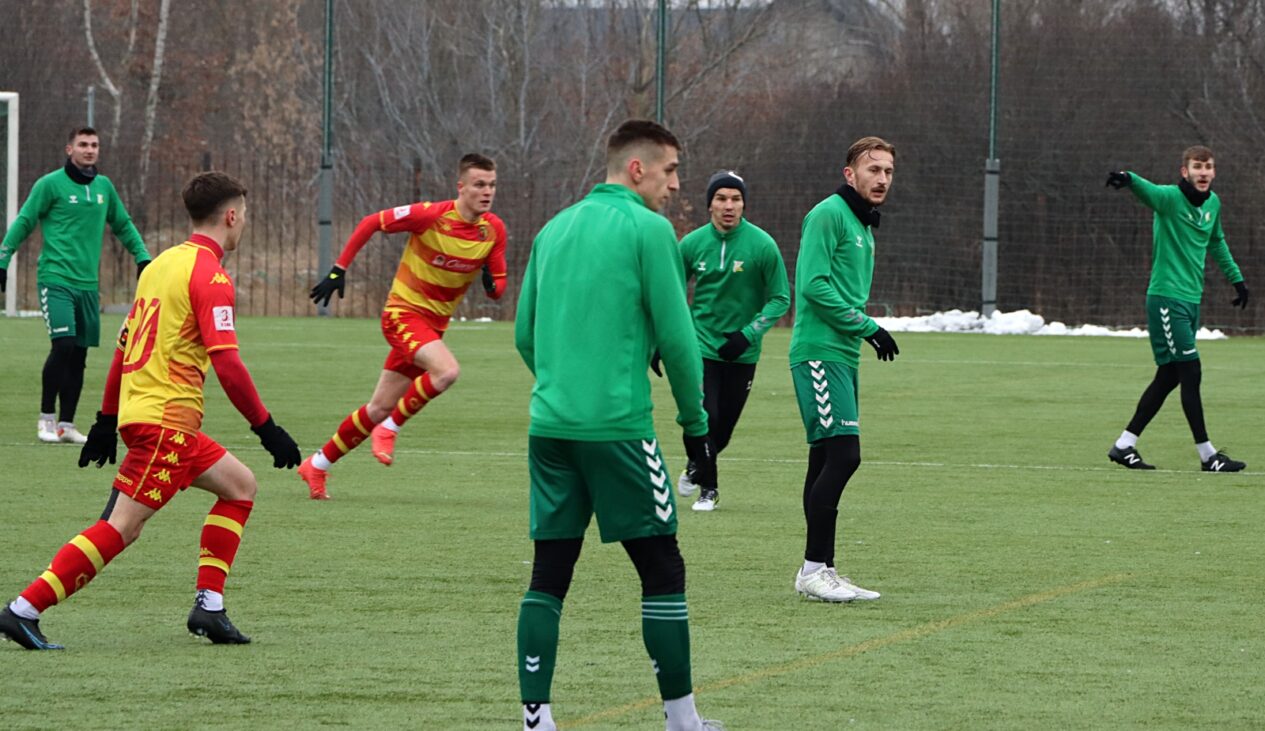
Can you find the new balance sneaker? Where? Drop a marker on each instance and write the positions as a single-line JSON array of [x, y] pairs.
[[685, 486], [1221, 462], [25, 632], [46, 430], [215, 626], [822, 585], [383, 442], [707, 500], [315, 479], [1128, 457], [67, 432], [861, 594]]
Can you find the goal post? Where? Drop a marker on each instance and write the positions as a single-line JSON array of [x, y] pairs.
[[9, 186]]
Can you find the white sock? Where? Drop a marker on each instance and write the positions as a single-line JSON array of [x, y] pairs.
[[212, 601], [65, 424], [682, 716], [320, 461], [538, 717], [811, 566], [1206, 451], [24, 609], [48, 417], [1127, 439], [389, 423]]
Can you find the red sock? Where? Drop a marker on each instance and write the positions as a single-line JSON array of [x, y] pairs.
[[354, 429], [75, 565], [221, 535], [420, 393]]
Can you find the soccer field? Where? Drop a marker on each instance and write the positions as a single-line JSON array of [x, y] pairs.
[[1027, 582]]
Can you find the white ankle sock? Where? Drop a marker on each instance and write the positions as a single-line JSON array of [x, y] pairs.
[[1127, 439], [212, 601], [1206, 451], [540, 719], [389, 423], [321, 462], [810, 567], [24, 609], [682, 716]]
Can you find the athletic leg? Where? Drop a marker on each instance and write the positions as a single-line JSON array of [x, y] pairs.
[[57, 366], [353, 430], [440, 371], [539, 616], [234, 485], [665, 624]]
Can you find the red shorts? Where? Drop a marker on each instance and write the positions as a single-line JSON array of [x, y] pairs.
[[406, 331], [161, 462]]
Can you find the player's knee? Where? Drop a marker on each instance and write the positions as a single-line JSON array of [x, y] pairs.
[[659, 564], [843, 453], [245, 487], [129, 526], [554, 565], [443, 378], [62, 351], [378, 412]]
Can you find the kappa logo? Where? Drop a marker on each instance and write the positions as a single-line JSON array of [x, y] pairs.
[[163, 475], [206, 552], [219, 278], [177, 438], [124, 479], [155, 494], [171, 458], [737, 266]]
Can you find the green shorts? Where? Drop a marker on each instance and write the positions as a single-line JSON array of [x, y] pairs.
[[625, 483], [1172, 325], [71, 313], [827, 393]]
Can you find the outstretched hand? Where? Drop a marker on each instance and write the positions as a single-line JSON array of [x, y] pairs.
[[333, 282], [1119, 179]]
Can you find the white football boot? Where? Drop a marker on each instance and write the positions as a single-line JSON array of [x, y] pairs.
[[706, 501], [67, 432], [861, 594], [46, 430], [822, 585], [684, 485]]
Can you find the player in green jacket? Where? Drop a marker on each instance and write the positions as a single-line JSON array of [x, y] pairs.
[[71, 206], [602, 290], [740, 291], [1187, 229], [832, 287]]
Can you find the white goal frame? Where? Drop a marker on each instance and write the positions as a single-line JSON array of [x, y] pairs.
[[11, 198]]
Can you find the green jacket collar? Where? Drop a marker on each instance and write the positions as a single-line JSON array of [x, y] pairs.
[[727, 235], [620, 191]]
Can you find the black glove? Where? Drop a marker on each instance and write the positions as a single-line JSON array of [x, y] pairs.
[[489, 282], [884, 344], [285, 453], [140, 267], [103, 441], [702, 455], [333, 282], [1240, 287], [735, 345], [4, 279], [656, 364], [1119, 179]]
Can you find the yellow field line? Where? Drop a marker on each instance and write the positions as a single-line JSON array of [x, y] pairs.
[[908, 635]]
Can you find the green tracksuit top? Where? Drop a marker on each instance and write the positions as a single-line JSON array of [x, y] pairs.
[[1183, 235], [740, 284], [832, 285], [602, 290], [73, 217]]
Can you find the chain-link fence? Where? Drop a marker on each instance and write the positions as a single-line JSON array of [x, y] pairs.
[[775, 90]]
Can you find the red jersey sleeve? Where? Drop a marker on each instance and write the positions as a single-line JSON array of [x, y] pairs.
[[416, 218], [496, 257], [212, 298]]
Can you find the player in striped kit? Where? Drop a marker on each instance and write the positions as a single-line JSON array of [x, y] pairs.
[[450, 242], [181, 323]]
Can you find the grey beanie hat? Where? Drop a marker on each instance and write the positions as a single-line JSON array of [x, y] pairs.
[[725, 179]]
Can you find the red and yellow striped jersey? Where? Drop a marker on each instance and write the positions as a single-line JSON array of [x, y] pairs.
[[182, 313], [445, 253]]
